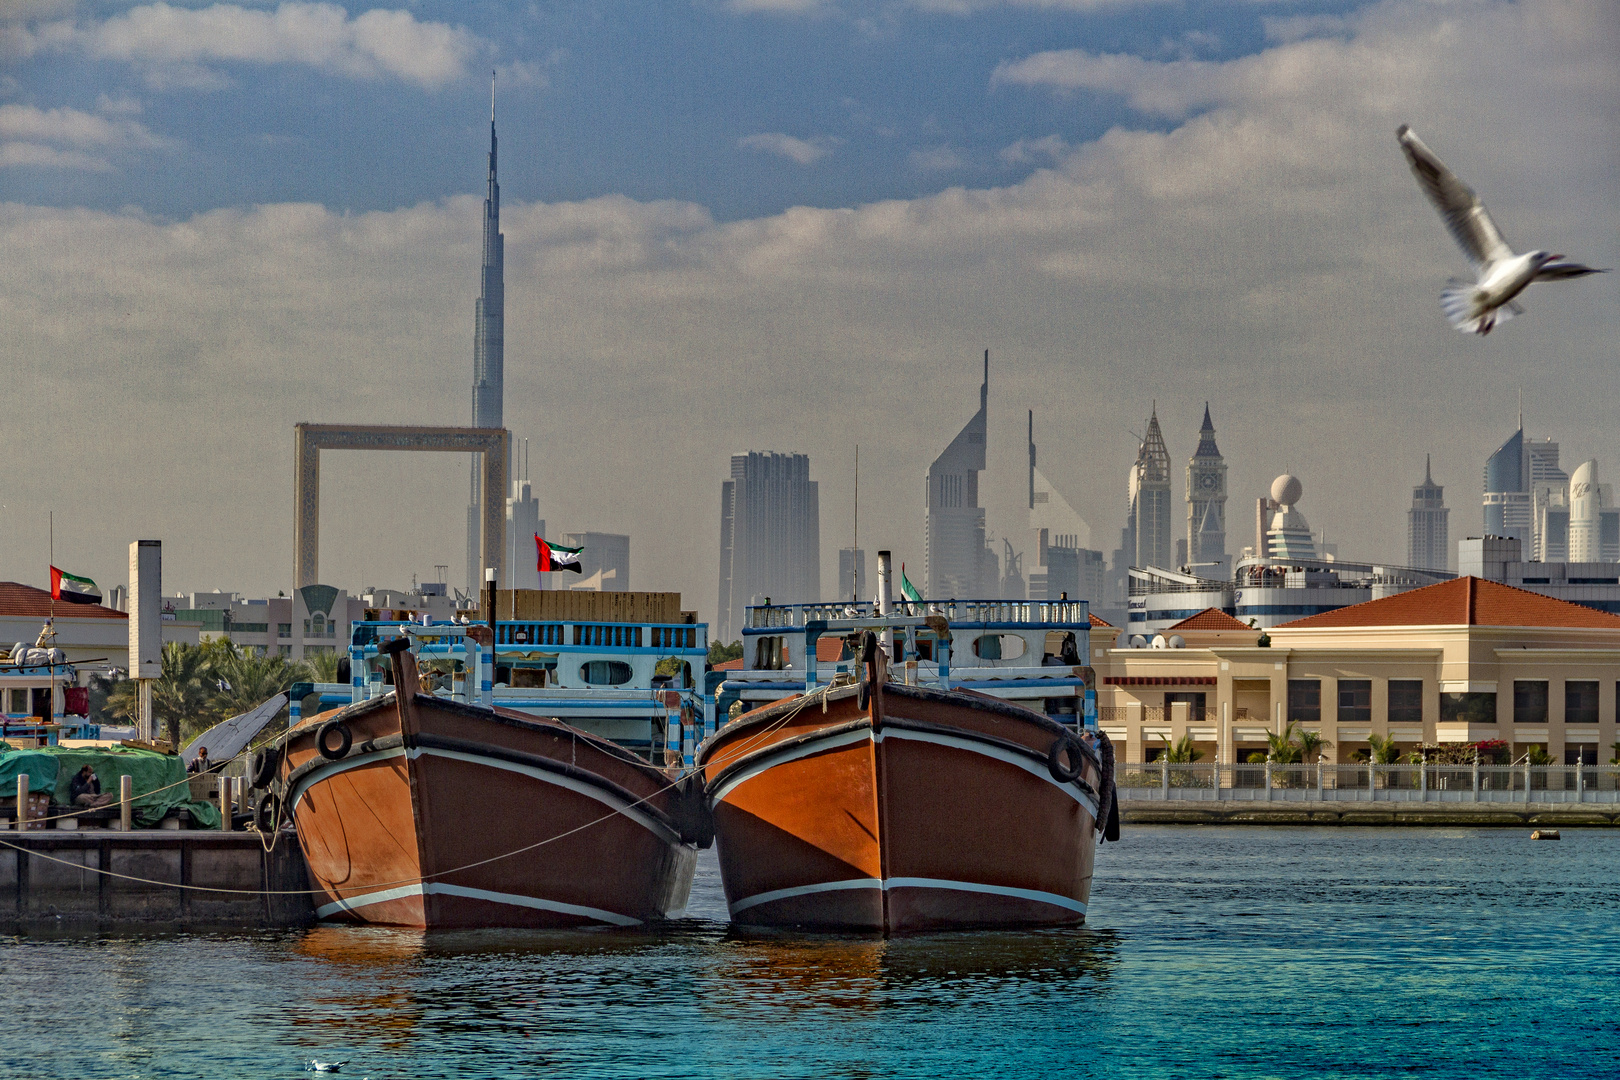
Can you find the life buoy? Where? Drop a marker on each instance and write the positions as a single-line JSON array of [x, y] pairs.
[[262, 766], [1063, 760], [345, 740]]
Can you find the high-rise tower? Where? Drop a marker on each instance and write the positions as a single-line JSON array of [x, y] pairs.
[[958, 565], [1507, 490], [1428, 544], [1206, 504], [489, 345], [1148, 517], [770, 536]]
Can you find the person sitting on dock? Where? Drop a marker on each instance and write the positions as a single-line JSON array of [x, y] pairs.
[[200, 764], [85, 789]]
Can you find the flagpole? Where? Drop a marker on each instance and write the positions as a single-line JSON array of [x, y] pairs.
[[52, 708], [855, 545]]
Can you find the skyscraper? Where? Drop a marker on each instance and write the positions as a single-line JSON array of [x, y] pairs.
[[489, 346], [1147, 520], [958, 565], [1428, 543], [770, 536], [1206, 504], [1507, 490], [604, 562], [1060, 560], [851, 574]]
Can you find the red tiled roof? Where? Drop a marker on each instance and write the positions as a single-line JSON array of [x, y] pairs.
[[18, 599], [1466, 601], [1209, 619], [728, 665], [1100, 622]]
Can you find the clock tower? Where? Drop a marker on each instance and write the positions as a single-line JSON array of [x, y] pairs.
[[1206, 504]]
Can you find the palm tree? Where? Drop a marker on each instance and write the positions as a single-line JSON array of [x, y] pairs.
[[1616, 759], [1287, 748], [1311, 745], [246, 680], [1384, 750], [1181, 752], [323, 666]]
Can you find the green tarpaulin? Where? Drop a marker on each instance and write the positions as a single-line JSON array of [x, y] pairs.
[[159, 780]]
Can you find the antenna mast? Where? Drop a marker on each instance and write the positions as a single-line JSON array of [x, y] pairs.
[[855, 544]]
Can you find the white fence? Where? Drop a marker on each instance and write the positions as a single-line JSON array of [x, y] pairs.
[[1198, 782]]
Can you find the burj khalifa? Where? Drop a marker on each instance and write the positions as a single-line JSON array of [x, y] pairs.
[[489, 339]]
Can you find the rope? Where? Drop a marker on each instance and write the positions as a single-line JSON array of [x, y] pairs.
[[772, 727]]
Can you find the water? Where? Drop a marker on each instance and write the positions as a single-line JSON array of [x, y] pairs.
[[1211, 952]]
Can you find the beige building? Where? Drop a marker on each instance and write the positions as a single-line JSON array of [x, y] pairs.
[[1464, 661]]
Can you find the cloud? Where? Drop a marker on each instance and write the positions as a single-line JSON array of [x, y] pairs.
[[1270, 253], [936, 159], [803, 151], [70, 139], [1025, 151], [174, 46]]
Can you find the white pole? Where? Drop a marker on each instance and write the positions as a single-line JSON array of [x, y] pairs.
[[884, 597]]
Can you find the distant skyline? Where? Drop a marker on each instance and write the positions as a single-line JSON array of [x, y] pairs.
[[728, 226]]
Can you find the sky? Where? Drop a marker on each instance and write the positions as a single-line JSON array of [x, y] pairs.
[[788, 225]]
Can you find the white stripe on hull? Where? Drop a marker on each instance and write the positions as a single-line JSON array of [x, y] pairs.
[[607, 799], [352, 903], [955, 742], [1055, 899]]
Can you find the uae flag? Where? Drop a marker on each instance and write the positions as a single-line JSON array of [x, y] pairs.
[[907, 589], [556, 557], [73, 589]]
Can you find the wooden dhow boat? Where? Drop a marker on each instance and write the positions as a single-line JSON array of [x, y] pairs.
[[416, 810], [886, 807]]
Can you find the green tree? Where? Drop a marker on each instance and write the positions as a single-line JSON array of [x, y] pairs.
[[1616, 759], [182, 697], [248, 680], [1311, 745], [322, 667], [1384, 750], [719, 653], [1181, 752], [1285, 749], [1538, 756]]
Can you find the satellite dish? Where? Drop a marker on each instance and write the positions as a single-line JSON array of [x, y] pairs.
[[1139, 642], [1159, 642], [1177, 641]]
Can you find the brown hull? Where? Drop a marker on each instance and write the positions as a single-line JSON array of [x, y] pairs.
[[926, 811], [399, 829]]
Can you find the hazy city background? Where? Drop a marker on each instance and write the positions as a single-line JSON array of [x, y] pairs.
[[812, 228]]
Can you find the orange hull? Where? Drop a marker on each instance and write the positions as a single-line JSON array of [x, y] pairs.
[[447, 815], [925, 811]]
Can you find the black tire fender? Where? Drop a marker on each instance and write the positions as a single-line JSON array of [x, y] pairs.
[[262, 767], [1064, 760], [863, 695], [345, 740], [266, 813]]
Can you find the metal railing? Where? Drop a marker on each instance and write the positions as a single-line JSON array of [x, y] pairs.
[[1363, 782], [1042, 612]]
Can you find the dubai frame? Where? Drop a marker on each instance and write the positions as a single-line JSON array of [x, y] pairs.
[[493, 444]]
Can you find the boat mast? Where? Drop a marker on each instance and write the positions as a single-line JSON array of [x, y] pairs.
[[855, 542]]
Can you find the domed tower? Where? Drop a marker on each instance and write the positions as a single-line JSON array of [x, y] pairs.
[[1206, 503], [1290, 534]]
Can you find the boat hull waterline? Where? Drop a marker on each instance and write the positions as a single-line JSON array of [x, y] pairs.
[[417, 822], [927, 810]]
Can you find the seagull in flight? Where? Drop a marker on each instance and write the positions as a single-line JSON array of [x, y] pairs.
[[1475, 307]]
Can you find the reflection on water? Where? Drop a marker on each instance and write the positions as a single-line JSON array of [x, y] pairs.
[[1238, 952]]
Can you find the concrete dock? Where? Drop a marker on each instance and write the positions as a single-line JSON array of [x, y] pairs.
[[1471, 815], [157, 880]]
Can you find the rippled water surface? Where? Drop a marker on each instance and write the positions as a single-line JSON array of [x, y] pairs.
[[1209, 952]]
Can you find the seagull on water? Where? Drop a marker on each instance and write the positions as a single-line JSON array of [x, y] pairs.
[[326, 1066], [1475, 307]]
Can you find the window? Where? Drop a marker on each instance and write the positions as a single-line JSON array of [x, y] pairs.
[[1355, 701], [1529, 701], [1405, 701], [1195, 704], [17, 702], [998, 647], [605, 672], [1581, 755], [1305, 700], [1476, 708], [283, 629], [1580, 703]]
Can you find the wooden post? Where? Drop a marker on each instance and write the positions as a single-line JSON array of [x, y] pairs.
[[126, 797], [226, 801], [22, 801]]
